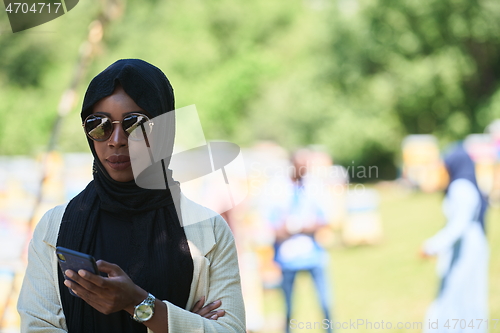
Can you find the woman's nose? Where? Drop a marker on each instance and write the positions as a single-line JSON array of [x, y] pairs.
[[118, 137]]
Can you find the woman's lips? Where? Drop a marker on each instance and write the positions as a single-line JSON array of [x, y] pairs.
[[118, 162]]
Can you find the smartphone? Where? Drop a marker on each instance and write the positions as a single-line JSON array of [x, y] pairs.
[[74, 260]]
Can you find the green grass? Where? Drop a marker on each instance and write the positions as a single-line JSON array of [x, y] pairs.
[[389, 281]]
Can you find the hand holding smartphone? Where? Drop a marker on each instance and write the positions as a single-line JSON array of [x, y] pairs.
[[74, 260]]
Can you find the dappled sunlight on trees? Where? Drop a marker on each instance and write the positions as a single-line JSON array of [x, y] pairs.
[[354, 76]]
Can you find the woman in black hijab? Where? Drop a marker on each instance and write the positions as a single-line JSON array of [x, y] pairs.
[[462, 251], [143, 248]]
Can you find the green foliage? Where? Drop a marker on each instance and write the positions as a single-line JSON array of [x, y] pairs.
[[439, 59], [23, 64], [355, 76]]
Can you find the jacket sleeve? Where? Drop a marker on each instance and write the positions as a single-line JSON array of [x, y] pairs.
[[224, 284], [464, 203], [39, 305]]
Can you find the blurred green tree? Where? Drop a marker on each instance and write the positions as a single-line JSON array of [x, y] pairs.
[[433, 65], [353, 75]]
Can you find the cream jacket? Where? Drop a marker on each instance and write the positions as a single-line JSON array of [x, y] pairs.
[[215, 275]]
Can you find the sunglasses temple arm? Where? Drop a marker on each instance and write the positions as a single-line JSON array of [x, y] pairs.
[[151, 156], [147, 144]]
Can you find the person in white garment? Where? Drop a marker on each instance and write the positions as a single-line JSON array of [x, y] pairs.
[[462, 249]]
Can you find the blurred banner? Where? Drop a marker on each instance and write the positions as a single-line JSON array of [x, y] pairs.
[[422, 165], [481, 149]]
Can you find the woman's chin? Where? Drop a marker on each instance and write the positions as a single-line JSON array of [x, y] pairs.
[[123, 176]]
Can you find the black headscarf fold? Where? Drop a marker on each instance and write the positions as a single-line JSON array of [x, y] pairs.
[[138, 228]]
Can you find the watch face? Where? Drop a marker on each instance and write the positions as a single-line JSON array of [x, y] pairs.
[[144, 312]]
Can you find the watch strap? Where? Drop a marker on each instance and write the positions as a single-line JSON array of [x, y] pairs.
[[149, 301]]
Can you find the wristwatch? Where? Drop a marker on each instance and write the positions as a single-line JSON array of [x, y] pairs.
[[145, 310]]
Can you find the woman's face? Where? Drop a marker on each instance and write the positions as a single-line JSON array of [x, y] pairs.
[[114, 153]]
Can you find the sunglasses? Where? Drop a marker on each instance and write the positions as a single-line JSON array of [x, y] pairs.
[[99, 127]]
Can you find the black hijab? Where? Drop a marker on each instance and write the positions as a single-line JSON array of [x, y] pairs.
[[460, 166], [136, 228]]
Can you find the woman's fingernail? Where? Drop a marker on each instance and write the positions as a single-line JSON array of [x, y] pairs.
[[214, 317], [68, 273]]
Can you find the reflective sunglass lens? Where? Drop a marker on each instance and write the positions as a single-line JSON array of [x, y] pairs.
[[132, 125], [98, 128]]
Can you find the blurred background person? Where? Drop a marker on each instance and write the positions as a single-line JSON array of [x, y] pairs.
[[295, 218], [462, 251]]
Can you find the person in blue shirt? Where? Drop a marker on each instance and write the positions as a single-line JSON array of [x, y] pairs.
[[295, 218]]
